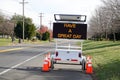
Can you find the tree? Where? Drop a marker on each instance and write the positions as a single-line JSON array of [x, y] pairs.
[[106, 20], [38, 35], [46, 35], [42, 30], [113, 6], [29, 29], [97, 24], [15, 18], [18, 30], [6, 26]]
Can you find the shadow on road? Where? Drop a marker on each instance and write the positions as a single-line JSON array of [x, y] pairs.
[[56, 74]]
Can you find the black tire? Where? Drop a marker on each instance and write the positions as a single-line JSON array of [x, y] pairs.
[[52, 64], [55, 62], [83, 65], [80, 63]]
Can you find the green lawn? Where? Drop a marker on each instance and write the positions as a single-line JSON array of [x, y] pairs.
[[5, 42], [105, 58], [8, 42]]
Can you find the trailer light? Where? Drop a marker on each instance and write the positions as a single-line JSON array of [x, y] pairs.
[[56, 54], [79, 55]]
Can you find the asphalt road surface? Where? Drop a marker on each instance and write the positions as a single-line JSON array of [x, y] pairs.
[[24, 62]]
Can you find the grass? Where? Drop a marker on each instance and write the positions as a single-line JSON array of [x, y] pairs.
[[4, 42], [105, 58], [8, 42]]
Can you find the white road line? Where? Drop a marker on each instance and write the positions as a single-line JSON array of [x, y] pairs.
[[5, 71]]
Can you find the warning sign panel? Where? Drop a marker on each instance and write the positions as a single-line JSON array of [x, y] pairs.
[[69, 31]]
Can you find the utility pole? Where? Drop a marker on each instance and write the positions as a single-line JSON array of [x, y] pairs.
[[23, 3], [50, 24], [41, 15], [50, 30], [14, 28]]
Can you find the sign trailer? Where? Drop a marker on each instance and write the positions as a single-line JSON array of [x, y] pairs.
[[69, 28]]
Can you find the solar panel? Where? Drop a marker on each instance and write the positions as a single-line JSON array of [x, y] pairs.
[[66, 17]]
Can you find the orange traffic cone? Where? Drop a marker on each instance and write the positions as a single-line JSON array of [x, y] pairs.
[[89, 58], [45, 67], [89, 69]]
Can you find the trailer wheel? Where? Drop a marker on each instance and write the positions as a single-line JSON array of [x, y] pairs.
[[52, 63], [80, 63], [55, 62], [83, 65]]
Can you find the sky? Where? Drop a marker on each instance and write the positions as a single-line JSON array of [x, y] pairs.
[[33, 8]]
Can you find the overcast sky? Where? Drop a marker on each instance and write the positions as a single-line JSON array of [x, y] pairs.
[[49, 8]]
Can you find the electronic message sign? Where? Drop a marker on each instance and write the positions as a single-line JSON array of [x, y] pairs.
[[69, 30]]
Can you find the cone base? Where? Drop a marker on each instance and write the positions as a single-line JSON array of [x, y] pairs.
[[89, 71], [45, 70]]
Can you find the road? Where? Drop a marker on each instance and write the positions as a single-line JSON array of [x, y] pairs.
[[24, 62]]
